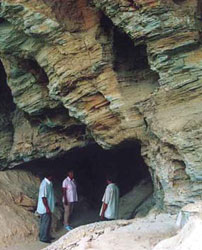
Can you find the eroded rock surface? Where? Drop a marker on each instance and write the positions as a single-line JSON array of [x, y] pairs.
[[187, 238], [130, 202], [107, 71], [18, 199], [18, 195], [135, 234]]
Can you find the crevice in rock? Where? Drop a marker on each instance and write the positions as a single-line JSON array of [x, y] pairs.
[[199, 10], [135, 5], [131, 62], [179, 1], [58, 120], [106, 24], [29, 84], [179, 172], [7, 107], [104, 36], [6, 98], [2, 20], [36, 70], [127, 56]]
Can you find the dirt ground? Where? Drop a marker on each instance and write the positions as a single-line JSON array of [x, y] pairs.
[[137, 234], [77, 220], [34, 245]]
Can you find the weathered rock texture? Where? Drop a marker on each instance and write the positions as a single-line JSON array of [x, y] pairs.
[[136, 234], [18, 200], [111, 71], [187, 238], [18, 196], [130, 202]]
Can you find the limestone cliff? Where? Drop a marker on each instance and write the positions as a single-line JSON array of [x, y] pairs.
[[106, 71]]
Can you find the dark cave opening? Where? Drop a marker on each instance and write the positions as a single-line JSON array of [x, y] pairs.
[[128, 57], [131, 61], [91, 164], [199, 10], [178, 1], [6, 99], [131, 64], [36, 70], [2, 20]]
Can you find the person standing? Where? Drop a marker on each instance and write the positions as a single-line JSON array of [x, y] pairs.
[[110, 200], [69, 197], [45, 207]]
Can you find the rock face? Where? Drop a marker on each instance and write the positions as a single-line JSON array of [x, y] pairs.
[[18, 196], [18, 200], [106, 71], [130, 202], [187, 238]]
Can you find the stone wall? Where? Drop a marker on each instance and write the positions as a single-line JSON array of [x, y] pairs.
[[73, 82]]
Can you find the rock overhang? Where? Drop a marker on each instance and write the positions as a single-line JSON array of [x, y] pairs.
[[81, 78]]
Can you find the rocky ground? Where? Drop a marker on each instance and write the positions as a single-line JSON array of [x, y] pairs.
[[18, 199], [153, 232], [189, 238], [136, 234], [156, 231], [35, 244]]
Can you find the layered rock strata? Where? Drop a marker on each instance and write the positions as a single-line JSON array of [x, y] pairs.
[[107, 71], [18, 199]]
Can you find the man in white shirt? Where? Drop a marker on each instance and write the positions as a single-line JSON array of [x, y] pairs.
[[69, 197], [110, 205], [45, 207]]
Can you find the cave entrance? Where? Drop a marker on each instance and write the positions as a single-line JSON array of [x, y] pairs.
[[6, 99], [131, 62], [34, 68], [7, 107], [90, 165]]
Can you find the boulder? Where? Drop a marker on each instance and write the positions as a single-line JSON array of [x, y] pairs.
[[135, 198], [189, 238]]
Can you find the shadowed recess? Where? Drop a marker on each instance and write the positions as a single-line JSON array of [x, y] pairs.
[[6, 98], [91, 165]]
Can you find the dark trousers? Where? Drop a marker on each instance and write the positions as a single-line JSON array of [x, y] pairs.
[[45, 226]]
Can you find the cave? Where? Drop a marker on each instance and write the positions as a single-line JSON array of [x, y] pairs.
[[6, 99], [136, 80], [91, 164], [34, 68], [178, 1], [199, 10], [127, 56], [131, 61]]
